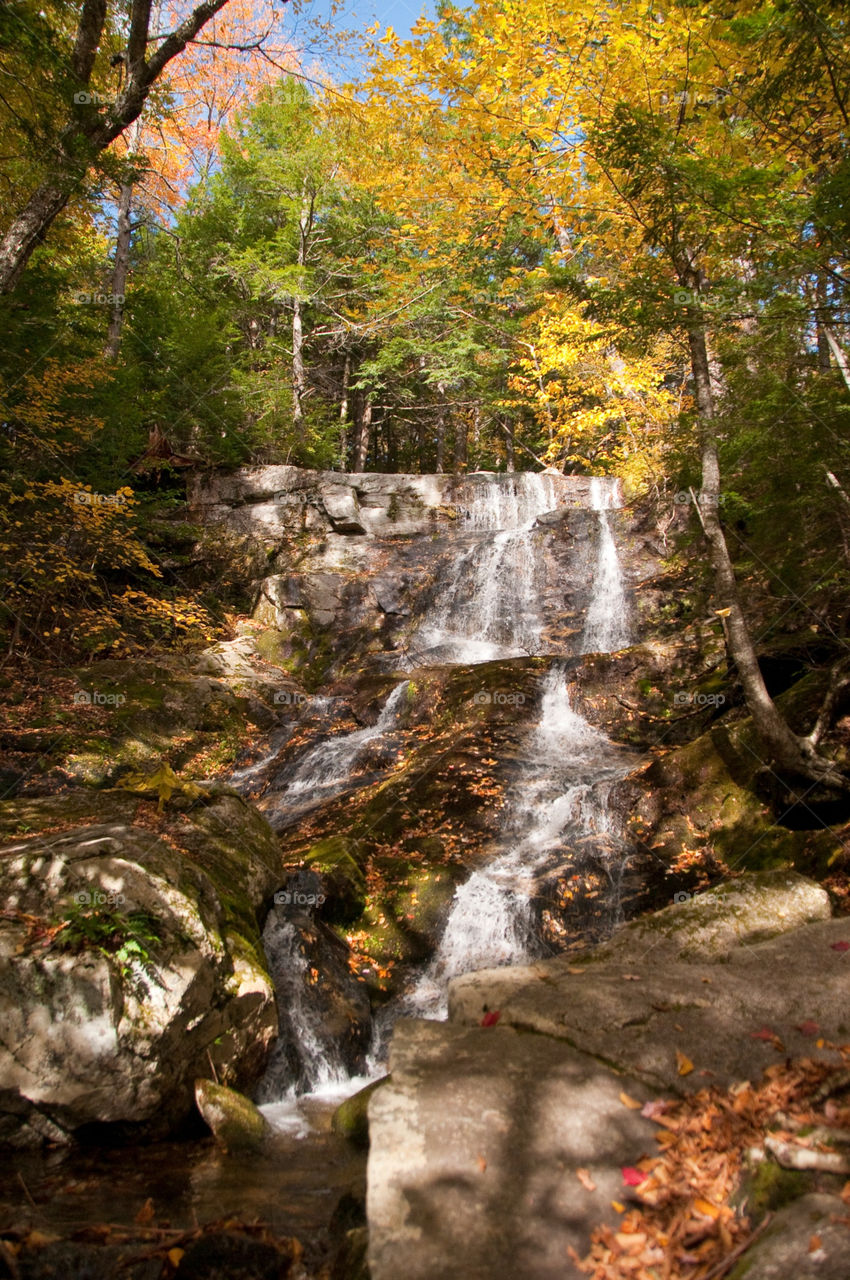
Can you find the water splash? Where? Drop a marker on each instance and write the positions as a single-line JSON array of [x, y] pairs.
[[304, 1058]]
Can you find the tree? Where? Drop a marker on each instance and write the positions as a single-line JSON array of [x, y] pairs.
[[80, 64]]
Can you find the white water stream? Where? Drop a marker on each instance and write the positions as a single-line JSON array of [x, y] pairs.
[[559, 806]]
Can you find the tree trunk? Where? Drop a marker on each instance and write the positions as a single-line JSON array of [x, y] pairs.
[[821, 324], [361, 434], [461, 441], [27, 231], [510, 464], [441, 439], [782, 747], [120, 270], [840, 356], [343, 411], [476, 436], [297, 363]]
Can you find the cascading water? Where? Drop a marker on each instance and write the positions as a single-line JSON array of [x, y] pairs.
[[558, 806], [326, 769], [490, 607], [559, 818], [555, 807], [606, 627]]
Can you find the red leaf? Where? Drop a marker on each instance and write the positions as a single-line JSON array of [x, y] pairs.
[[764, 1034], [841, 946], [808, 1028], [490, 1019], [632, 1177]]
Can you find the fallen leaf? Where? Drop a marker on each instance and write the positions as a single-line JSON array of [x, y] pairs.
[[145, 1214], [654, 1108], [174, 1256], [631, 977], [706, 1208], [631, 1103], [482, 1163], [841, 946], [490, 1019], [585, 1180], [815, 1243], [632, 1177], [575, 968], [684, 1066], [620, 1208], [808, 1028], [764, 1034]]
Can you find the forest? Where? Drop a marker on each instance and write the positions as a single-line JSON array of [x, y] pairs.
[[424, 570]]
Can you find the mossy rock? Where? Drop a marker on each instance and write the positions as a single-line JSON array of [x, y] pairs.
[[766, 1187], [237, 1124], [351, 1118], [336, 860]]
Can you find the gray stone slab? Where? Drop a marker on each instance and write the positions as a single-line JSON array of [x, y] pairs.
[[807, 1240], [475, 1143]]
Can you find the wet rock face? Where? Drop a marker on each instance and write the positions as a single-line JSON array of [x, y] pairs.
[[130, 959]]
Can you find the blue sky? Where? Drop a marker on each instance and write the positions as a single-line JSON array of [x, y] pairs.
[[398, 14]]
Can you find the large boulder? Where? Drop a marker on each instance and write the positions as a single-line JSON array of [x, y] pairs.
[[477, 1141], [130, 959]]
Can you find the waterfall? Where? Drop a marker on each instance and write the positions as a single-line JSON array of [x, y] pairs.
[[326, 770], [304, 1057], [490, 606], [606, 627], [554, 813], [559, 821]]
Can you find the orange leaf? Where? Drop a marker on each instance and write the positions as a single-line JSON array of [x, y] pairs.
[[585, 1180], [683, 1063]]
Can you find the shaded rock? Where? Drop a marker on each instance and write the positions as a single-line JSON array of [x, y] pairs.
[[351, 1260], [157, 969], [342, 508], [785, 1249], [475, 1146], [235, 1121], [351, 1118]]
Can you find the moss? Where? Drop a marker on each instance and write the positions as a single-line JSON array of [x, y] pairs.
[[769, 1187], [351, 1118]]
